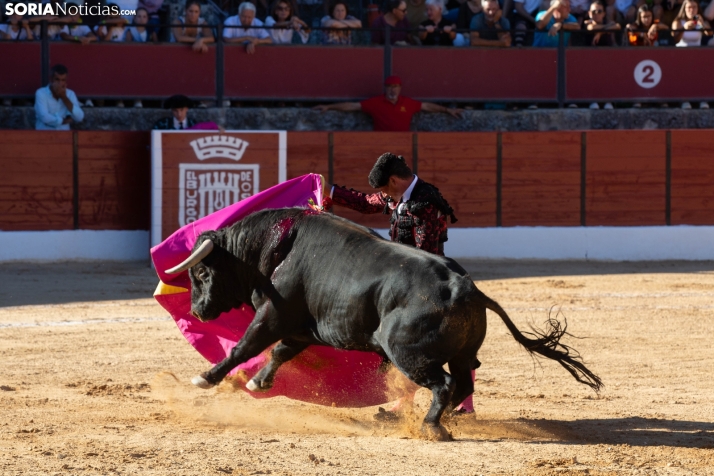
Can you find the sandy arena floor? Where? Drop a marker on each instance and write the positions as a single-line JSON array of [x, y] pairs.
[[88, 363]]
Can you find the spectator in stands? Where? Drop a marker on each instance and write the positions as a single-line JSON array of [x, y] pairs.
[[179, 120], [644, 31], [467, 11], [579, 9], [286, 24], [16, 29], [490, 28], [416, 13], [522, 17], [688, 25], [553, 20], [390, 111], [127, 6], [54, 26], [75, 32], [245, 28], [191, 28], [113, 27], [395, 16], [340, 23], [155, 9], [708, 13], [56, 106], [436, 30], [620, 11], [599, 31], [687, 31], [138, 32]]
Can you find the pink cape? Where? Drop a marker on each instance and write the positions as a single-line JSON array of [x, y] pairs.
[[321, 375]]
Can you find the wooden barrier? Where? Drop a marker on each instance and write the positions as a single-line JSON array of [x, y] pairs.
[[692, 167], [609, 178], [114, 180], [36, 191], [541, 179], [463, 166], [626, 175], [308, 153]]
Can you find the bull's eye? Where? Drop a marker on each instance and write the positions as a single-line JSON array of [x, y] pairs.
[[202, 274]]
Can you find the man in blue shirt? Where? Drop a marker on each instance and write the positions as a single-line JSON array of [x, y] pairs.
[[56, 107], [551, 21]]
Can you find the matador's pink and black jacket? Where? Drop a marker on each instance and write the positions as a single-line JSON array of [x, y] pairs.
[[418, 222]]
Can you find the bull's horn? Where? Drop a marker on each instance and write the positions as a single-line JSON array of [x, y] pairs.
[[195, 258]]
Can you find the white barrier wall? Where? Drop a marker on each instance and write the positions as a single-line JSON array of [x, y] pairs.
[[74, 245], [636, 243], [640, 243]]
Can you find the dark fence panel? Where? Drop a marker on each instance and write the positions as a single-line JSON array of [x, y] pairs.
[[122, 70], [638, 73], [477, 73], [21, 63], [136, 71], [303, 72]]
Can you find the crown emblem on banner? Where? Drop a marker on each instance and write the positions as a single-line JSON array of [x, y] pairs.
[[219, 146]]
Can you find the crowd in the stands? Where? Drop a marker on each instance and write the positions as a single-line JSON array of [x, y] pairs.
[[482, 23]]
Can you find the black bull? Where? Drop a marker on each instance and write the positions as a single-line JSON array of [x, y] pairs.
[[317, 279]]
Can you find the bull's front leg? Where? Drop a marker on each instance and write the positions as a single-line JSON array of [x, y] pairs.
[[283, 352], [261, 334]]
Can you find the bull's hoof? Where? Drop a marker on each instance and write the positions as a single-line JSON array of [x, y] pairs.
[[436, 432], [254, 386], [201, 382]]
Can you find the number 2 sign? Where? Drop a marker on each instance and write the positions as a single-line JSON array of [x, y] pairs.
[[648, 74]]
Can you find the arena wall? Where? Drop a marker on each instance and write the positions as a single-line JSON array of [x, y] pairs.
[[596, 194]]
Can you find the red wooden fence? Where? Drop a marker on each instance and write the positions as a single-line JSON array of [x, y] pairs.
[[491, 179]]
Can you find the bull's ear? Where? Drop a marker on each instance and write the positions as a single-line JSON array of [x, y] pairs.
[[195, 258]]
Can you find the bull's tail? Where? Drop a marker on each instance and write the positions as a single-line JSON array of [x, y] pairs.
[[547, 343]]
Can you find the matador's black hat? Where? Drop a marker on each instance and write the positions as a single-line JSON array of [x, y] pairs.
[[387, 165], [178, 101]]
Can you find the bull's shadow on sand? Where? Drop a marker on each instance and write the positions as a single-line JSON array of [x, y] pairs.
[[634, 431], [27, 283]]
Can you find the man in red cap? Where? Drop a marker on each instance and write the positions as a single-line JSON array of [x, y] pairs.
[[390, 112]]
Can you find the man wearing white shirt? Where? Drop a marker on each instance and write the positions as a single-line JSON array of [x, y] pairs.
[[245, 28], [56, 107]]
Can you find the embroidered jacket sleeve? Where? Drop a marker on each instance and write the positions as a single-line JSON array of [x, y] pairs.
[[358, 201]]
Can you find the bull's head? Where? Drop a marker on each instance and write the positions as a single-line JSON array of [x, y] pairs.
[[209, 268]]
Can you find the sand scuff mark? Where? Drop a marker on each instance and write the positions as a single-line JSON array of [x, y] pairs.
[[225, 405]]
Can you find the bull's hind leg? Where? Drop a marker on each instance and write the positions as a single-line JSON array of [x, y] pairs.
[[442, 387], [284, 351], [461, 372]]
